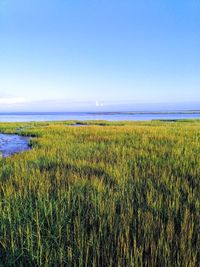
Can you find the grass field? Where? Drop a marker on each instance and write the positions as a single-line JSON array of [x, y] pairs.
[[113, 194]]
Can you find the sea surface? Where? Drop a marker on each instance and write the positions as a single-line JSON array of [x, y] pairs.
[[11, 144], [82, 116]]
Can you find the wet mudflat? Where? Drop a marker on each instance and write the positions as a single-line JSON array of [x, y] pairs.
[[11, 144]]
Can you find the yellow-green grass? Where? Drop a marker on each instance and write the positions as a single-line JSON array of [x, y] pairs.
[[118, 194]]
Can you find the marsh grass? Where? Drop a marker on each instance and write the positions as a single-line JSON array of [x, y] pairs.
[[125, 194]]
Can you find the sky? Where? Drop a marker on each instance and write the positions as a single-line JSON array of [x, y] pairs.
[[99, 55]]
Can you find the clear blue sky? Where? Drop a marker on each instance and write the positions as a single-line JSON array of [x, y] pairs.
[[61, 55]]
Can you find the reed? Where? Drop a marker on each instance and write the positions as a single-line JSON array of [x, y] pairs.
[[105, 194]]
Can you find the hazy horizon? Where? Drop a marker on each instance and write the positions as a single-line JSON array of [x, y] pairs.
[[154, 107]]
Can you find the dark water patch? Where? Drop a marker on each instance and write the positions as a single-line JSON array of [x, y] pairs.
[[77, 124], [12, 143]]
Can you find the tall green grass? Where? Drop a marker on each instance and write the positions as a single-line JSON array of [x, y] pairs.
[[119, 194]]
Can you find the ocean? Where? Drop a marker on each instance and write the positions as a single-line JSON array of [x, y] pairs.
[[108, 116]]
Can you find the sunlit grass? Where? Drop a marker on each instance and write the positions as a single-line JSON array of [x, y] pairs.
[[110, 194]]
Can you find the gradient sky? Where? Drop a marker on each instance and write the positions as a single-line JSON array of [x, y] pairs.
[[61, 55]]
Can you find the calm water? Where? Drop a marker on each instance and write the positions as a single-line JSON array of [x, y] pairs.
[[11, 144], [22, 117]]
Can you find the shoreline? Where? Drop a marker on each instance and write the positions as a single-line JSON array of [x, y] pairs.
[[185, 112]]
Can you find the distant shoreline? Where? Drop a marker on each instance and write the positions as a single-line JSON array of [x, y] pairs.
[[146, 112], [105, 112]]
